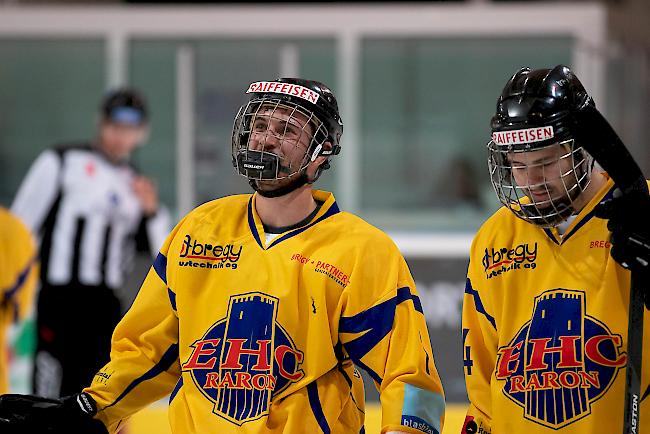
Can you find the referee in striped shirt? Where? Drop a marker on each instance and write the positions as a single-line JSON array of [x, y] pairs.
[[90, 209]]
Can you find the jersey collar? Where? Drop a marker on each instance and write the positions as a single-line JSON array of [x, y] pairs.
[[328, 209], [585, 215]]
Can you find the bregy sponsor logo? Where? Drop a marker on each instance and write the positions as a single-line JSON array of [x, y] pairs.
[[227, 254], [499, 261]]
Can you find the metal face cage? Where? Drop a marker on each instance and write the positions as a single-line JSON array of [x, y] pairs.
[[540, 184], [275, 139]]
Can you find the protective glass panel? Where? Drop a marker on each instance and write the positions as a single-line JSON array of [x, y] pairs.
[[427, 105], [50, 94], [152, 70]]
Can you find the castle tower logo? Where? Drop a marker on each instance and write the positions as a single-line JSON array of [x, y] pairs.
[[561, 361], [245, 359]]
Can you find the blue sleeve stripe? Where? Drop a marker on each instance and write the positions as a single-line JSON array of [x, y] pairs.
[[172, 298], [166, 361], [478, 303], [178, 386], [160, 265], [317, 408], [20, 281], [367, 319], [10, 294], [376, 322]]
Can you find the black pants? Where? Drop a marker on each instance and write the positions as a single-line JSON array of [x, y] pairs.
[[74, 326]]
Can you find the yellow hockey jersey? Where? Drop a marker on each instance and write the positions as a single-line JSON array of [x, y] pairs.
[[545, 329], [258, 337], [18, 277]]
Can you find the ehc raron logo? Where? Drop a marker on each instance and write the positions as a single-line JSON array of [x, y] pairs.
[[499, 261], [216, 255], [560, 361], [245, 359]]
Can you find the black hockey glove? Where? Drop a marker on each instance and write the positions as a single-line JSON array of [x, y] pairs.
[[22, 414], [629, 223]]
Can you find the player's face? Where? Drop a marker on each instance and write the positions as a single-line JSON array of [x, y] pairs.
[[547, 176], [119, 140], [286, 133]]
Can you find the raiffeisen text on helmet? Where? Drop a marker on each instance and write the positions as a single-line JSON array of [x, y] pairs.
[[285, 88], [528, 135]]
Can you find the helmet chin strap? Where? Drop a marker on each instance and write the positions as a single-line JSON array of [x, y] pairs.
[[301, 180]]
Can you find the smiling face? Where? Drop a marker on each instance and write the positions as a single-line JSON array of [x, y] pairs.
[[278, 143], [284, 132]]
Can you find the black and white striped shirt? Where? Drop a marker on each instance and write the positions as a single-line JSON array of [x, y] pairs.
[[87, 215]]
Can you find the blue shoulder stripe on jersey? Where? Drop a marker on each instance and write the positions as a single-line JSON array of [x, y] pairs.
[[334, 209], [178, 386], [316, 407], [478, 303], [160, 265], [10, 293], [165, 362], [376, 321], [172, 298]]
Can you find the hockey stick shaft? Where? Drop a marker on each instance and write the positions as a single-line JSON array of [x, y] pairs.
[[611, 154]]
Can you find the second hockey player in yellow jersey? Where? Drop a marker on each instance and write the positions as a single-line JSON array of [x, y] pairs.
[[545, 310]]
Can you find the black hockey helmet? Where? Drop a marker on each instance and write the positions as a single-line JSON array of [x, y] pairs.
[[124, 106], [540, 98], [309, 103], [538, 109]]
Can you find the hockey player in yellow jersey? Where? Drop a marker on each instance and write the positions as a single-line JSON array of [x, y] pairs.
[[545, 308], [18, 277], [258, 307]]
